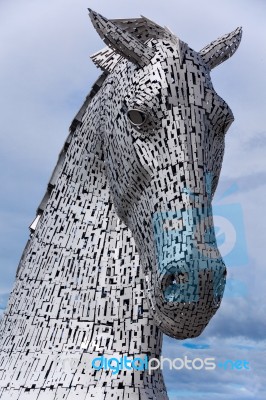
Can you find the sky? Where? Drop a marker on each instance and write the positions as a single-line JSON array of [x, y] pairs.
[[45, 74]]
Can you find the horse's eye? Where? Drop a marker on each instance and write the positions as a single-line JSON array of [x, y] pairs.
[[136, 117]]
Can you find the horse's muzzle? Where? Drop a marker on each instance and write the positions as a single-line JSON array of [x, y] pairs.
[[188, 297]]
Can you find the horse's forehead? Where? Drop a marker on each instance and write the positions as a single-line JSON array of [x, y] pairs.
[[165, 66], [167, 76]]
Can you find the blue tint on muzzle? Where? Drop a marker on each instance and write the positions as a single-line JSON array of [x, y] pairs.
[[181, 257]]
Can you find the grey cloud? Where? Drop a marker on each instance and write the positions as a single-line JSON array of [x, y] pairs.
[[258, 141], [244, 183]]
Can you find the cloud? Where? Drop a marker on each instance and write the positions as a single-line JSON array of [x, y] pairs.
[[258, 141], [219, 383]]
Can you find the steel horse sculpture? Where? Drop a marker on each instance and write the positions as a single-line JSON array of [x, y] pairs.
[[123, 248]]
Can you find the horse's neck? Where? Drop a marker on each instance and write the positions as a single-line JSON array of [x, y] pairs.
[[79, 289]]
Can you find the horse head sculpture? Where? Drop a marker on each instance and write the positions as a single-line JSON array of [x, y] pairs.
[[163, 128], [138, 170]]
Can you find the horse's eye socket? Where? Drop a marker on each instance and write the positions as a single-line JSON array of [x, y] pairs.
[[136, 117]]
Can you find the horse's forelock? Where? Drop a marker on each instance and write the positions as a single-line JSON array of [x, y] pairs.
[[123, 35]]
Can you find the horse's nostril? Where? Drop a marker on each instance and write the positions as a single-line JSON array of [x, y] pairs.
[[167, 281], [172, 286], [181, 277], [174, 279]]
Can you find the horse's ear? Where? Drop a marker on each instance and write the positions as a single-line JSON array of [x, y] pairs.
[[221, 49], [122, 42]]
